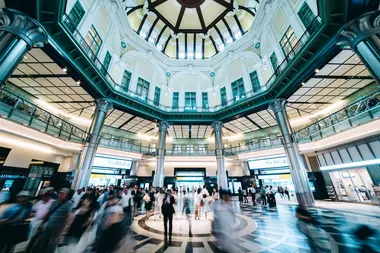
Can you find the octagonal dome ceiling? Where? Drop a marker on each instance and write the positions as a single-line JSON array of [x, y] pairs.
[[191, 29]]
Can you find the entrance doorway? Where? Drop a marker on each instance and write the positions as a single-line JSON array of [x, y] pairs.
[[190, 179]]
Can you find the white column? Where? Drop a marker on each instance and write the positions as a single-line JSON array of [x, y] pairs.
[[220, 165]]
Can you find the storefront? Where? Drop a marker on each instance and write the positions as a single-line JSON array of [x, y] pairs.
[[354, 185], [273, 171], [108, 170], [352, 171], [189, 178]]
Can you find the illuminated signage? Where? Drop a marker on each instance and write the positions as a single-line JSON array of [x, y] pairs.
[[112, 163], [268, 163]]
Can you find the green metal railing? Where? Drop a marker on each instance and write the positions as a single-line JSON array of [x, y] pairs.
[[357, 113], [18, 110], [251, 147], [190, 153], [70, 27]]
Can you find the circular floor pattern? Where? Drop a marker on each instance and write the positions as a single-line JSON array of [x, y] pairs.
[[201, 229]]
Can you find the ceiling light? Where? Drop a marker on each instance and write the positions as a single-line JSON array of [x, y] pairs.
[[78, 82], [143, 35], [25, 57], [64, 69], [151, 40], [317, 70], [303, 83], [351, 165]]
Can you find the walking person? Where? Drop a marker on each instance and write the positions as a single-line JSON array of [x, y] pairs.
[[46, 239], [149, 200], [287, 192], [197, 203], [263, 196], [245, 196], [240, 193], [186, 210], [168, 211]]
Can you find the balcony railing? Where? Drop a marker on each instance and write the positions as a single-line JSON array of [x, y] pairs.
[[127, 146], [92, 56], [355, 114], [253, 147], [18, 110], [190, 153]]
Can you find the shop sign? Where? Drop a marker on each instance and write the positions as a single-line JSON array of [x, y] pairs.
[[268, 163], [112, 163]]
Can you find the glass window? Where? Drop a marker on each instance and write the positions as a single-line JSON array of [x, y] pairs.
[[288, 42], [93, 42], [202, 149], [223, 96], [190, 148], [106, 63], [274, 61], [126, 80], [75, 16], [255, 81], [142, 89], [307, 17], [205, 100], [238, 90], [157, 93], [190, 101], [175, 100], [177, 149]]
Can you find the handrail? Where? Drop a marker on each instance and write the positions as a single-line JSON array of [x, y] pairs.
[[24, 112], [253, 147], [190, 153], [71, 28], [127, 146], [365, 105]]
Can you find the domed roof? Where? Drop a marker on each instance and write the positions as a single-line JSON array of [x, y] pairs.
[[191, 29]]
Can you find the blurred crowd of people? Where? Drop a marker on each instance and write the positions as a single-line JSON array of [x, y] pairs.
[[99, 219]]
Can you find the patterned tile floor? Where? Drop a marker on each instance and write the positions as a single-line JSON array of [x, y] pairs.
[[272, 230], [258, 229]]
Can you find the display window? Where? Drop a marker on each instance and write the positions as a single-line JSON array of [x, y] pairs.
[[354, 185]]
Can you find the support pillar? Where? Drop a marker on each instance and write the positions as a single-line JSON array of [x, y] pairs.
[[89, 151], [220, 165], [18, 34], [296, 163], [362, 35], [159, 176]]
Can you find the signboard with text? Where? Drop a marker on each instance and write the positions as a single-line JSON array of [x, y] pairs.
[[276, 162], [112, 163]]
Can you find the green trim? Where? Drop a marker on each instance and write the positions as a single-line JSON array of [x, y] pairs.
[[76, 15], [141, 88], [126, 81], [238, 89], [253, 76], [157, 95], [175, 100], [286, 41], [223, 96], [205, 104]]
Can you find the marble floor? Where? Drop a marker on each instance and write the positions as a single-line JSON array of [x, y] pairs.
[[257, 229], [260, 229]]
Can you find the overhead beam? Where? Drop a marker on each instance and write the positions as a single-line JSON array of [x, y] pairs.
[[345, 77], [228, 28], [195, 46], [201, 19], [250, 120], [223, 3], [180, 16], [241, 7], [185, 45], [151, 28], [220, 35], [39, 76], [239, 25], [157, 3], [134, 9], [142, 23], [213, 42], [166, 43], [159, 35], [127, 121]]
